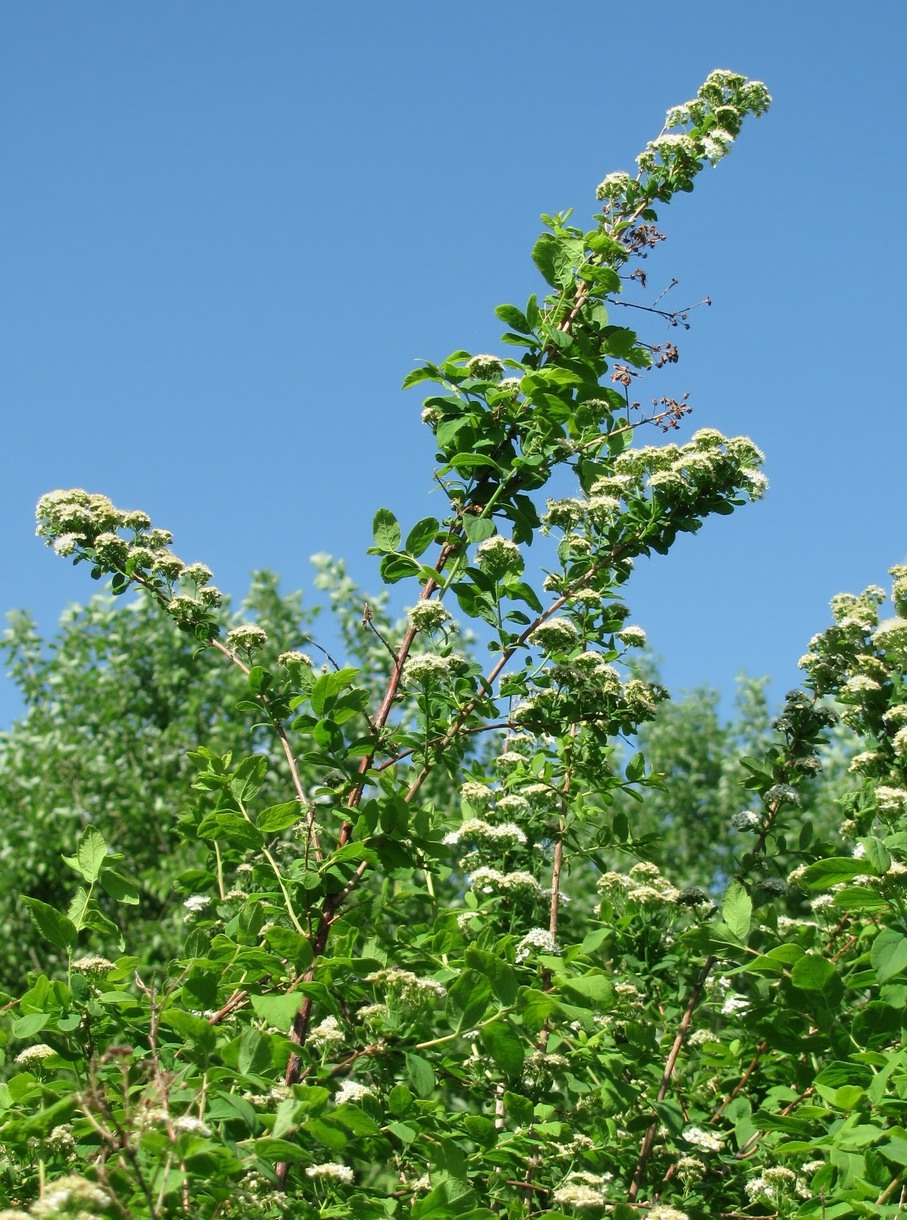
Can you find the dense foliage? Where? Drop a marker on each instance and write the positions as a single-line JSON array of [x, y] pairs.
[[384, 1002]]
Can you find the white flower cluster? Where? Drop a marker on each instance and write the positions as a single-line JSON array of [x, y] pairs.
[[582, 1190], [493, 881], [428, 616], [613, 186], [351, 1091], [331, 1170], [325, 1033], [485, 368], [747, 820], [77, 522], [771, 1183], [247, 637], [505, 836], [410, 987], [34, 1054], [556, 635], [537, 940], [644, 884], [429, 669], [498, 556], [69, 1195], [706, 1141]]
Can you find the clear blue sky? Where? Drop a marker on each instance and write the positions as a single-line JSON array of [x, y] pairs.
[[229, 229]]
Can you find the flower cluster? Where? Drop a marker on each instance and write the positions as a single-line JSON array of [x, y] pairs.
[[85, 525]]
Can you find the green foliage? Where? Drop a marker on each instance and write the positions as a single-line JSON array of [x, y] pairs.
[[383, 1002]]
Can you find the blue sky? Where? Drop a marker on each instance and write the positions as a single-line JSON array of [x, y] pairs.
[[230, 229]]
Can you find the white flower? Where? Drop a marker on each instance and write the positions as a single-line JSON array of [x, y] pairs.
[[191, 1125], [248, 637], [326, 1032], [704, 1140], [351, 1090], [539, 939], [428, 616], [92, 964], [34, 1054], [196, 903], [485, 368], [557, 635], [69, 1195], [891, 800], [498, 556], [330, 1169], [613, 186], [747, 820]]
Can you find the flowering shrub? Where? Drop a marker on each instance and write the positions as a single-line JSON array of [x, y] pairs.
[[386, 1003]]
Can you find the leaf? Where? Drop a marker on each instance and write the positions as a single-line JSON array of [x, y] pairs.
[[515, 318], [427, 373], [386, 531], [876, 855], [278, 1010], [467, 999], [421, 536], [477, 529], [556, 256], [593, 987], [737, 910], [90, 854], [248, 776], [291, 945], [279, 817], [29, 1025], [120, 888], [503, 1044], [54, 927], [421, 1074], [833, 871], [328, 686], [812, 973], [888, 954], [499, 973], [254, 1052]]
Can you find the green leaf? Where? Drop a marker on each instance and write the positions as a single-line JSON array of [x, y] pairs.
[[812, 973], [248, 776], [120, 888], [291, 945], [737, 910], [386, 531], [254, 1052], [594, 988], [503, 1044], [90, 854], [421, 1074], [279, 817], [515, 318], [29, 1025], [278, 1010], [477, 529], [467, 999], [833, 871], [421, 536], [328, 686], [556, 257], [888, 954], [54, 927], [876, 855], [428, 372], [499, 973]]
